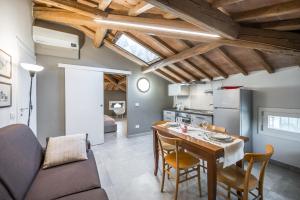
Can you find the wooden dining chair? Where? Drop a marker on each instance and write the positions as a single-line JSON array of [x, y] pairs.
[[211, 127], [216, 128], [183, 163], [242, 180], [168, 148]]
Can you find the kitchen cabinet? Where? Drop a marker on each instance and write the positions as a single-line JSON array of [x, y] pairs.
[[178, 90], [169, 115], [198, 119]]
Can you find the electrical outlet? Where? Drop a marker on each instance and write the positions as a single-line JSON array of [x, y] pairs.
[[137, 126], [12, 116]]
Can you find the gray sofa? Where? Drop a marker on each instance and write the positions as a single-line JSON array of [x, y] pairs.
[[21, 176]]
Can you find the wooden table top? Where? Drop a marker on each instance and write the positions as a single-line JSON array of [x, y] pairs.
[[205, 146]]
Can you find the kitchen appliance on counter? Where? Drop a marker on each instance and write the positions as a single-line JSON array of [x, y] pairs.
[[183, 117], [190, 116], [233, 111]]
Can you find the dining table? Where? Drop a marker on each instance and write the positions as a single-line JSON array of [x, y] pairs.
[[205, 150]]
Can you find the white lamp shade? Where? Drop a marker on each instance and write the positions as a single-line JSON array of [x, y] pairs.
[[32, 67], [143, 84]]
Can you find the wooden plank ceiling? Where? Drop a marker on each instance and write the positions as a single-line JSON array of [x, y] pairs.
[[196, 39], [115, 82]]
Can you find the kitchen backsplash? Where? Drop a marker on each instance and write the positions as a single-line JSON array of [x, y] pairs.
[[198, 98]]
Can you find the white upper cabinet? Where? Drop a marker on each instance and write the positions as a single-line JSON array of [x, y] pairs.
[[178, 90]]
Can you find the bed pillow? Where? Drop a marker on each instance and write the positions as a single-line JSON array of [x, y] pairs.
[[65, 149]]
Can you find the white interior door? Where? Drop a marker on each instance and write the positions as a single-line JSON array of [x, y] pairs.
[[84, 103]]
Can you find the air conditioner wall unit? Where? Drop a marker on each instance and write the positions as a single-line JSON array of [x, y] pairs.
[[55, 43]]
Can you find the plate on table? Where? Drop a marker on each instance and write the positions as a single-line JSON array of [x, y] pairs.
[[172, 124], [221, 137]]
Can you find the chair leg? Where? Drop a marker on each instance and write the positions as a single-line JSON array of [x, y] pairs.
[[169, 171], [199, 179], [163, 177], [228, 193], [186, 174], [203, 164], [177, 183], [261, 193]]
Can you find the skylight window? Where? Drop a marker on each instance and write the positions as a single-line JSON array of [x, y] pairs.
[[136, 49]]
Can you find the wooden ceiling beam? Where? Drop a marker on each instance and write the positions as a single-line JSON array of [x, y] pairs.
[[99, 36], [195, 67], [88, 3], [88, 32], [169, 16], [186, 74], [183, 71], [201, 14], [196, 50], [104, 4], [276, 10], [122, 81], [269, 41], [264, 40], [263, 61], [159, 27], [140, 8], [114, 82], [188, 63], [222, 3], [232, 61], [283, 25], [76, 7], [165, 76], [212, 65], [183, 62], [162, 45], [174, 74]]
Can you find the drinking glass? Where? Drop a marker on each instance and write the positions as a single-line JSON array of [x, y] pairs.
[[204, 124]]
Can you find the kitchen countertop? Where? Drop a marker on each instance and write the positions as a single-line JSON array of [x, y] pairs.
[[192, 111]]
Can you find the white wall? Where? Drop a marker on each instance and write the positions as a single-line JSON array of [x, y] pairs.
[[198, 98], [51, 93], [16, 40], [277, 90]]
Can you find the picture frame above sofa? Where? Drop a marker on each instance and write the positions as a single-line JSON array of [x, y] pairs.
[[5, 95], [5, 64]]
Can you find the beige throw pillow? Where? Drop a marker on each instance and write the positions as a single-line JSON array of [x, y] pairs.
[[65, 149]]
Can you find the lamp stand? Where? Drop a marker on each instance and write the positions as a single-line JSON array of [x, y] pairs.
[[30, 101]]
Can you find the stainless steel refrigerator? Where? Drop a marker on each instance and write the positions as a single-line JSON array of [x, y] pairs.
[[233, 110]]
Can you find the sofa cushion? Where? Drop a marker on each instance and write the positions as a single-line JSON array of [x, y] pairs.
[[20, 157], [65, 179], [95, 194], [4, 195], [65, 149]]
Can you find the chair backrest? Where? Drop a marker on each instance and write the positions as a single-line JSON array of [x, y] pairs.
[[168, 140], [159, 122], [263, 159], [216, 128], [20, 159], [119, 111]]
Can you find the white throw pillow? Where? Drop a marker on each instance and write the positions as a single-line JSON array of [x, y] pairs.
[[65, 149]]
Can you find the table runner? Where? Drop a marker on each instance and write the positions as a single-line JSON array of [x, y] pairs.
[[233, 151]]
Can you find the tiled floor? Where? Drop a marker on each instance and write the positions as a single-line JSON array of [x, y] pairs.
[[126, 171]]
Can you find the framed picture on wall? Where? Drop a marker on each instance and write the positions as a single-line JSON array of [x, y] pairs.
[[5, 94], [5, 64]]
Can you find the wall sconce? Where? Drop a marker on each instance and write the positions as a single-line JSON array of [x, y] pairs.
[[32, 69], [143, 85]]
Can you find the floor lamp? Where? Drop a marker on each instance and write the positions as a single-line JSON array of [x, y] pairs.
[[32, 69]]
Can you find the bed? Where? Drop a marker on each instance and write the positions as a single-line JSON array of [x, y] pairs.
[[109, 124]]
